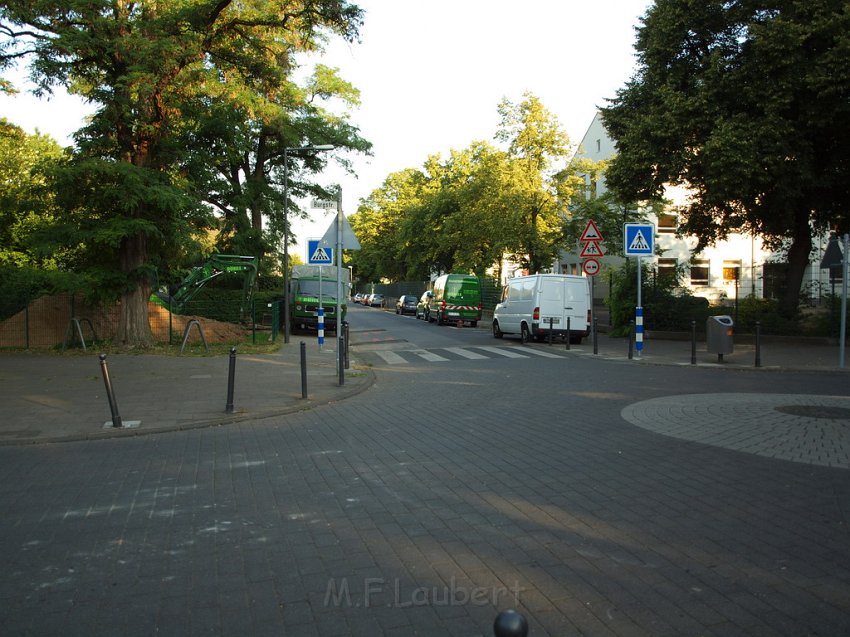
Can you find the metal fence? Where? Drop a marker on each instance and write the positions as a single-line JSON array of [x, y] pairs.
[[66, 320]]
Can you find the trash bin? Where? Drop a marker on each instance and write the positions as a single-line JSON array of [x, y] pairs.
[[719, 331]]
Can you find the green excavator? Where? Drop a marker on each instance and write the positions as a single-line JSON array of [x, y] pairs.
[[177, 296]]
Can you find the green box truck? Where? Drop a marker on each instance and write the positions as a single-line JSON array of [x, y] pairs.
[[456, 298], [309, 283]]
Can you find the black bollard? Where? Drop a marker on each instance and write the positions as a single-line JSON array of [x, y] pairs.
[[631, 339], [231, 376], [303, 370], [758, 343], [595, 335], [345, 334], [693, 342], [551, 328], [110, 395], [510, 623], [340, 363], [568, 331]]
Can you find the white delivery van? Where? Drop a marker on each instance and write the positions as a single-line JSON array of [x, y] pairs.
[[529, 303]]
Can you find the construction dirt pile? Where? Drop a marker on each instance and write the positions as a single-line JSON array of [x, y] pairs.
[[50, 321]]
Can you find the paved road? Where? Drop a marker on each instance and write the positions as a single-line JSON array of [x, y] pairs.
[[442, 494]]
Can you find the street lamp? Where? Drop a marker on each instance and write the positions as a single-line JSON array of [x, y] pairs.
[[286, 152]]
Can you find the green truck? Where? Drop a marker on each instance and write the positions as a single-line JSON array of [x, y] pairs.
[[309, 283], [456, 298]]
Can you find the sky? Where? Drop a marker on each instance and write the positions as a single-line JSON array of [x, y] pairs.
[[431, 75]]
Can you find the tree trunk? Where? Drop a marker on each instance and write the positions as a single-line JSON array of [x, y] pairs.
[[133, 326], [798, 259]]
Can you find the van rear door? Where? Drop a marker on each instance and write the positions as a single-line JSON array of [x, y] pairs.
[[577, 303], [552, 306]]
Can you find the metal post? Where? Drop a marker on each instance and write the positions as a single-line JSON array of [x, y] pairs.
[[345, 333], [631, 338], [231, 375], [320, 327], [568, 331], [551, 327], [595, 336], [340, 343], [303, 370], [842, 340], [758, 343], [693, 342], [110, 395], [286, 329]]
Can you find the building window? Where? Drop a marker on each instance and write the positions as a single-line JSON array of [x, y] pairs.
[[666, 223], [732, 271], [699, 272], [667, 268], [598, 145]]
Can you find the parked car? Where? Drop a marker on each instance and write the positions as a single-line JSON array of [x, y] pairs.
[[406, 304], [365, 299], [357, 297], [376, 300], [422, 305]]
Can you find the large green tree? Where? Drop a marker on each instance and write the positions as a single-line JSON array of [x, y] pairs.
[[748, 104], [144, 64], [533, 198]]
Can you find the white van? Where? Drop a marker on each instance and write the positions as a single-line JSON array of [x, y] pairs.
[[529, 303]]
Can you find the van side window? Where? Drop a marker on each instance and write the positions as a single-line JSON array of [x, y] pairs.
[[514, 291], [527, 290]]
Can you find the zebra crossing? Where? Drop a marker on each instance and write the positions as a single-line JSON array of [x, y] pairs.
[[446, 354]]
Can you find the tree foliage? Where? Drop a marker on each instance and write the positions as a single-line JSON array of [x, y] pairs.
[[148, 67], [748, 104], [466, 212]]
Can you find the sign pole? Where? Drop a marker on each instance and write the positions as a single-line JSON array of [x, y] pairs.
[[844, 274], [639, 313], [339, 356]]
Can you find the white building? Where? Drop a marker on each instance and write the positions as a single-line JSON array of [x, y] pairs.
[[738, 265]]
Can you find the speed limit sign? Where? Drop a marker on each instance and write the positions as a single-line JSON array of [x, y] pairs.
[[590, 267]]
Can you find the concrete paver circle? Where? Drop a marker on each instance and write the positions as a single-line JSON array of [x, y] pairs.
[[801, 428]]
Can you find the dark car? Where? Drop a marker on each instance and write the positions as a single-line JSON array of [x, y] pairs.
[[406, 304]]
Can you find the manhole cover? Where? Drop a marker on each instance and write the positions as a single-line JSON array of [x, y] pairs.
[[815, 411]]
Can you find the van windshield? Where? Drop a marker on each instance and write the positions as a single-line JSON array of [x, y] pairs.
[[464, 290], [311, 288]]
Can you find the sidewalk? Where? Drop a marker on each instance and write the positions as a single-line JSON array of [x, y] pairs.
[[49, 398]]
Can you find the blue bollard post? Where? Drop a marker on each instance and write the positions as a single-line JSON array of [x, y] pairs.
[[321, 326]]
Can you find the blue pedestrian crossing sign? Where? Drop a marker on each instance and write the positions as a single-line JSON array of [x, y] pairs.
[[639, 239], [317, 254]]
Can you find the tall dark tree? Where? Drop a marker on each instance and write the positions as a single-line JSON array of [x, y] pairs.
[[747, 103], [144, 64]]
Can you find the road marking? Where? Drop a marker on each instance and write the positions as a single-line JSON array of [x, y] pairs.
[[391, 358], [465, 353], [538, 352], [429, 356], [501, 352]]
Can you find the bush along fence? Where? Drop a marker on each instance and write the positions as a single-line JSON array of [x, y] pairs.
[[67, 320]]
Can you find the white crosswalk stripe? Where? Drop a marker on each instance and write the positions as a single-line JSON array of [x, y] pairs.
[[540, 352], [429, 356], [390, 358], [465, 353], [501, 351]]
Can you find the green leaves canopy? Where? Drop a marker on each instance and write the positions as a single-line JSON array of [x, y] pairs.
[[748, 104]]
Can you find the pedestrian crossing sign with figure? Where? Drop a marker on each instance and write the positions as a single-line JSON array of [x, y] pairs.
[[317, 254], [639, 239]]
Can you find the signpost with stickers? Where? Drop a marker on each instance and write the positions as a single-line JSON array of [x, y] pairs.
[[638, 241], [591, 252]]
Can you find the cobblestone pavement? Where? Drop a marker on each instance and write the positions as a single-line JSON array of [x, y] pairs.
[[440, 496]]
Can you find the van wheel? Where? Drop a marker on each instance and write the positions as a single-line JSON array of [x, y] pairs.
[[497, 333], [524, 334]]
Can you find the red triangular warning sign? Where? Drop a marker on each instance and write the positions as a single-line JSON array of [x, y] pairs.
[[591, 232], [591, 249]]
